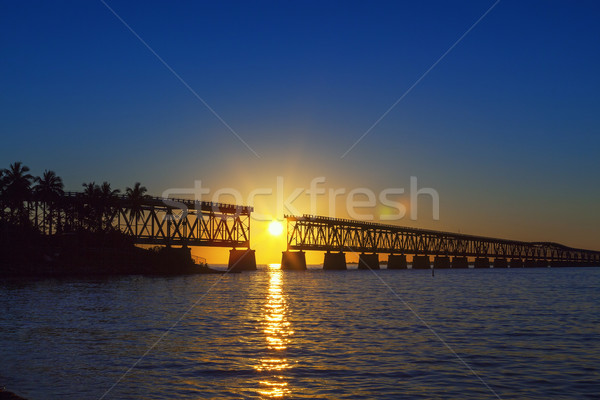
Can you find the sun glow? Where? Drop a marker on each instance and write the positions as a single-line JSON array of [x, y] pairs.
[[275, 228]]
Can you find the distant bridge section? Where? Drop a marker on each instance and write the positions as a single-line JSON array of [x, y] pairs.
[[341, 235]]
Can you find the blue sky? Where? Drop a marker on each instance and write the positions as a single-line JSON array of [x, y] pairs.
[[506, 127]]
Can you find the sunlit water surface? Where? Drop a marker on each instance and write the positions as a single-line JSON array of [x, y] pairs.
[[526, 333]]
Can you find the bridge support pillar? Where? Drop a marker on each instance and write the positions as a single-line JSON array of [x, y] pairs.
[[542, 264], [482, 262], [334, 261], [516, 263], [368, 261], [397, 261], [293, 260], [529, 264], [421, 262], [441, 262], [460, 262], [500, 263], [242, 260]]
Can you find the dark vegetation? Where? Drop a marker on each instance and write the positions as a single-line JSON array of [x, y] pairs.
[[35, 241]]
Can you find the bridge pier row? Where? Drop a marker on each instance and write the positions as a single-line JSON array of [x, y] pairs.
[[334, 261], [397, 261], [368, 261], [441, 262], [460, 262], [482, 262], [500, 263], [421, 262], [242, 260], [516, 263], [293, 260]]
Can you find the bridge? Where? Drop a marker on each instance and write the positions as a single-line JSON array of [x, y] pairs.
[[450, 250], [151, 221]]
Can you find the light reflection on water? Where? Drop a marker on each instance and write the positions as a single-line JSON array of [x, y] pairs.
[[529, 333], [277, 331]]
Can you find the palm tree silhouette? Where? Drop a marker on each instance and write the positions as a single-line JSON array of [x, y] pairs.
[[108, 198], [2, 199], [48, 190], [90, 190], [17, 190], [135, 197], [90, 209]]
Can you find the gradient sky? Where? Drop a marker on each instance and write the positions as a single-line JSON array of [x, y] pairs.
[[506, 127]]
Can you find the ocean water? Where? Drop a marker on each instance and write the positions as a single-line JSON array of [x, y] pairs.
[[468, 334]]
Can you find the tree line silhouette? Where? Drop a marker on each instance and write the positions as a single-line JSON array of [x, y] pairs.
[[47, 231], [24, 197]]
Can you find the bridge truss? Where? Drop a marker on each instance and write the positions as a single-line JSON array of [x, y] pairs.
[[331, 234], [151, 220]]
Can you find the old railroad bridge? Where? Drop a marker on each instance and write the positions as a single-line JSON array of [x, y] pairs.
[[182, 222], [450, 250]]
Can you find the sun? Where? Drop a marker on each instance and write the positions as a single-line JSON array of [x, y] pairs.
[[275, 228]]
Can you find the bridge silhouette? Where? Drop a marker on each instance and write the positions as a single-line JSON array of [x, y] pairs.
[[151, 221], [183, 222], [450, 250]]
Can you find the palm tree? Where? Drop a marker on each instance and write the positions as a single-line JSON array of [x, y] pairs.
[[108, 196], [136, 197], [48, 189], [90, 208], [107, 192], [17, 189], [49, 186], [90, 190], [2, 204]]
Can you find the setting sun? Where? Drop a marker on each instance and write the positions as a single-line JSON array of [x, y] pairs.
[[275, 228]]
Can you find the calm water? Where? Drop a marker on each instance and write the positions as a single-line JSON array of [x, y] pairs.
[[527, 333]]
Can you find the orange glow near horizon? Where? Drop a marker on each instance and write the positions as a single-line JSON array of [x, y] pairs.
[[268, 246], [268, 238]]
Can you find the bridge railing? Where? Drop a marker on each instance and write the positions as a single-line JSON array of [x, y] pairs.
[[199, 260], [173, 203]]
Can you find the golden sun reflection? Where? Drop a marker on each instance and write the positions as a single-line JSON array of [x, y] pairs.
[[277, 331]]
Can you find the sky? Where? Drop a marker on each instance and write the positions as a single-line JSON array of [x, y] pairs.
[[500, 117]]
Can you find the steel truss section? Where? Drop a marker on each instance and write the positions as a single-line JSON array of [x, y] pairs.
[[311, 232], [151, 220]]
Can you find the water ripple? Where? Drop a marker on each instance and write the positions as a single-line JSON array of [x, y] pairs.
[[276, 334]]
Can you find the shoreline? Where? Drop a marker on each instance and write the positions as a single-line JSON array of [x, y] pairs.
[[6, 395], [24, 253]]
